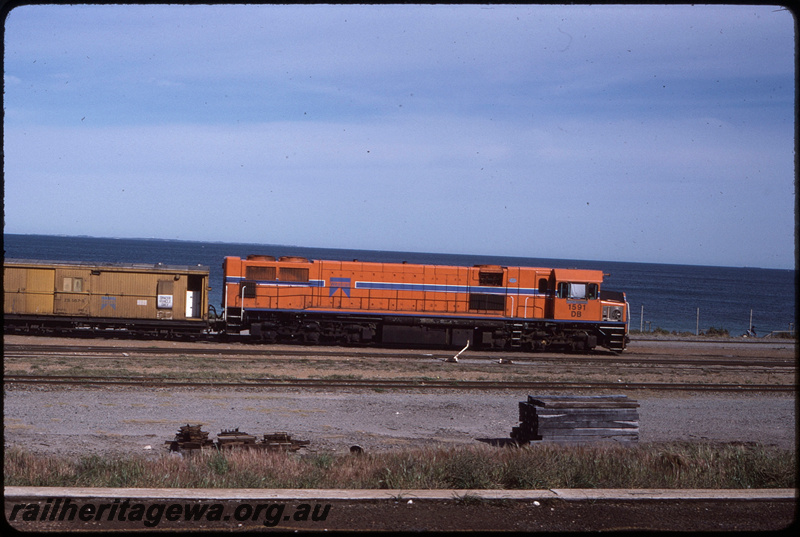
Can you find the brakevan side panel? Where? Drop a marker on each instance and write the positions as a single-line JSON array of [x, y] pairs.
[[106, 291], [28, 290], [14, 280], [131, 295], [161, 294]]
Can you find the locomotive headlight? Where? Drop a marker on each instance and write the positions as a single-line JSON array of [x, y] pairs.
[[612, 313]]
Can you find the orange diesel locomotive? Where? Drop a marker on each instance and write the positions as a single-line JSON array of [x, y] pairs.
[[485, 306]]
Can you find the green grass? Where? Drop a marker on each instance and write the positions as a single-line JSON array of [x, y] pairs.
[[542, 466]]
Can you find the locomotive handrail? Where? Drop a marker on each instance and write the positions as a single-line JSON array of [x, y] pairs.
[[225, 304], [241, 304]]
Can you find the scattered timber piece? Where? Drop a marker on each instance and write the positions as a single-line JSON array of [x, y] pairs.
[[577, 419]]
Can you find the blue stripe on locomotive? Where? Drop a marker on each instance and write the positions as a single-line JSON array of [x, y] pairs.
[[431, 315], [396, 286]]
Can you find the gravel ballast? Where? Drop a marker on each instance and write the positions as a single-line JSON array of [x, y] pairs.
[[129, 420]]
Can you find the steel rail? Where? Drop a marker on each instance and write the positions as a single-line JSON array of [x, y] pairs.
[[13, 350], [387, 384]]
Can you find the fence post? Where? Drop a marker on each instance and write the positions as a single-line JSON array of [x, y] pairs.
[[697, 328], [641, 320]]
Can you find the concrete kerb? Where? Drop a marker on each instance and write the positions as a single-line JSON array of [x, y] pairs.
[[349, 495], [675, 494]]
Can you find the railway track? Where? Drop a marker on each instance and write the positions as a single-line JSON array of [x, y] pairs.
[[382, 384], [774, 372], [699, 360]]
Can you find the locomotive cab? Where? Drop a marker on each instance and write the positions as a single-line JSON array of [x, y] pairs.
[[576, 295], [577, 299]]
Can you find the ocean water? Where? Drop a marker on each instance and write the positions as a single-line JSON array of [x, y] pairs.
[[660, 296]]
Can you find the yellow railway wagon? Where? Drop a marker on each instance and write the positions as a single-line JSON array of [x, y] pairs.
[[65, 295], [483, 305]]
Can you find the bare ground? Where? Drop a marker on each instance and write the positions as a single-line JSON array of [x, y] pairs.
[[101, 420], [124, 420]]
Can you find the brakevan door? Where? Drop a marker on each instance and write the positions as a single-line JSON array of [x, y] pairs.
[[194, 296], [72, 291], [39, 291]]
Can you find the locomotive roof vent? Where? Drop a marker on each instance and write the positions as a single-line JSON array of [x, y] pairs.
[[254, 257], [293, 259]]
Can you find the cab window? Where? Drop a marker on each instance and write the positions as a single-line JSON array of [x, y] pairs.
[[580, 291], [591, 291], [543, 287]]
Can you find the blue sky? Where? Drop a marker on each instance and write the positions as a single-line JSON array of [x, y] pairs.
[[657, 134]]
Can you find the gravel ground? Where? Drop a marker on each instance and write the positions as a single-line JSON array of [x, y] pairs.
[[103, 420], [125, 420], [72, 421]]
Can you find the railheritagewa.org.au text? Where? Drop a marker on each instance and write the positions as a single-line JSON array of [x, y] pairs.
[[151, 514]]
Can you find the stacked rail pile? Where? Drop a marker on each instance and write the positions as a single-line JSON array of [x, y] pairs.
[[228, 439], [191, 437], [282, 441], [577, 419]]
